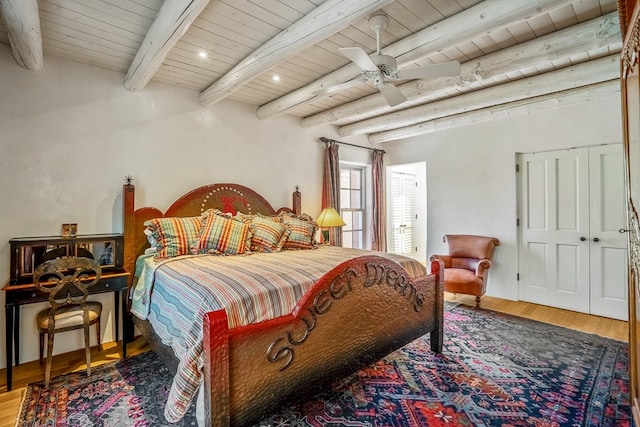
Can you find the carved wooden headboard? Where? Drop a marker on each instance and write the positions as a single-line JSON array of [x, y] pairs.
[[225, 197]]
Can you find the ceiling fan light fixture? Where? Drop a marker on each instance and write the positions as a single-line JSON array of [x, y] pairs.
[[386, 64], [374, 78]]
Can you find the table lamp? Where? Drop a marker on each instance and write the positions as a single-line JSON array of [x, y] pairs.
[[329, 217]]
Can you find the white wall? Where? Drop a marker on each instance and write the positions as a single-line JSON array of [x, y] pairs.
[[70, 133], [471, 176]]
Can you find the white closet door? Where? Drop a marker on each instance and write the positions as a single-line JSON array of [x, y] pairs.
[[554, 261], [608, 240]]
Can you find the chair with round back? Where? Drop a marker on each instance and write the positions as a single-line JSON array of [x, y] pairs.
[[67, 281]]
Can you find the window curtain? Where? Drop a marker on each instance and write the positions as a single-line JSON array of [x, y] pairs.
[[331, 187], [379, 239]]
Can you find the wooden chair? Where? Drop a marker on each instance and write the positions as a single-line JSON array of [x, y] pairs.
[[467, 264], [67, 281]]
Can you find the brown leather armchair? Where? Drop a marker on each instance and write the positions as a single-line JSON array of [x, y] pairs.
[[466, 265]]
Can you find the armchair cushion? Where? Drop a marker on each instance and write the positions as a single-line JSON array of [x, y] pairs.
[[463, 281]]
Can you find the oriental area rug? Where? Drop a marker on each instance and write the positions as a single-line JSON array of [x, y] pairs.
[[495, 370]]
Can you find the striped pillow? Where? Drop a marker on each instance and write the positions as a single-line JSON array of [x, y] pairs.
[[268, 235], [221, 234], [303, 231], [174, 236]]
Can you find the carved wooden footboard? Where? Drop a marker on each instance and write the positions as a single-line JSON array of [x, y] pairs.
[[357, 313]]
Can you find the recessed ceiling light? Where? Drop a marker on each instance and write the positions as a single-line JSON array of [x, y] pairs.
[[276, 78], [202, 54]]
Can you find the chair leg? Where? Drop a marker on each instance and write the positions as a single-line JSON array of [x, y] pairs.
[[87, 348], [477, 302], [47, 371], [98, 334], [41, 346]]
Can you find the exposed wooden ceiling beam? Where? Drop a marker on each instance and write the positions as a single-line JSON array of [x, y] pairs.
[[575, 41], [464, 26], [325, 20], [386, 128], [22, 22], [522, 107], [172, 21]]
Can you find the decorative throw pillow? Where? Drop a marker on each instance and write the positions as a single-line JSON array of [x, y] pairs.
[[173, 236], [303, 231], [268, 234], [221, 234]]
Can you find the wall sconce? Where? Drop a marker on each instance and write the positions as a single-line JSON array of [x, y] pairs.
[[329, 217]]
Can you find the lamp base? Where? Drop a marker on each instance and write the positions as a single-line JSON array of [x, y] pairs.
[[325, 237]]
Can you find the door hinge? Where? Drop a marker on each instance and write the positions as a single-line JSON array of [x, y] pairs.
[[517, 222], [517, 168], [518, 277]]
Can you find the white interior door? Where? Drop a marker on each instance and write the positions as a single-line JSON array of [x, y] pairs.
[[572, 250], [608, 244], [554, 261]]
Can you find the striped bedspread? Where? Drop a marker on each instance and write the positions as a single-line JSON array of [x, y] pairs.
[[175, 294]]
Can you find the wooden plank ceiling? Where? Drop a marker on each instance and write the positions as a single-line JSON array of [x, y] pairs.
[[276, 55]]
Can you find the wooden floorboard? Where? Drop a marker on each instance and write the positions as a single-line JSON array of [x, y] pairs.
[[74, 361]]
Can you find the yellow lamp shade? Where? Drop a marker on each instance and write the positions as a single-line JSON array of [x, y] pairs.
[[329, 217]]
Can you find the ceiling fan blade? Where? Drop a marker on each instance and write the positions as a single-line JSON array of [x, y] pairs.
[[341, 86], [359, 57], [434, 70], [392, 94]]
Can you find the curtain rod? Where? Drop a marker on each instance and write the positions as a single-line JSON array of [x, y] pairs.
[[323, 139]]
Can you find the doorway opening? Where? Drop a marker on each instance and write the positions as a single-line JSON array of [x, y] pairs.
[[406, 194]]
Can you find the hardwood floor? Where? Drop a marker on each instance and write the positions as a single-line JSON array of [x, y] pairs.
[[610, 328], [74, 361]]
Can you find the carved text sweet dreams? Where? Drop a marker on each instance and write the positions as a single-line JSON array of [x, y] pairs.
[[282, 349]]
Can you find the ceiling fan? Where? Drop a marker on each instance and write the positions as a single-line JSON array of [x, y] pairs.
[[380, 71]]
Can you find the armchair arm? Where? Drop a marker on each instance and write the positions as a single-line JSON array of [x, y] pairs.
[[483, 264], [446, 259]]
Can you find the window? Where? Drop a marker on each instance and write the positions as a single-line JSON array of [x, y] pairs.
[[352, 206]]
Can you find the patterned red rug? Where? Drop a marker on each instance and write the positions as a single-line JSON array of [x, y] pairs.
[[496, 370], [130, 392]]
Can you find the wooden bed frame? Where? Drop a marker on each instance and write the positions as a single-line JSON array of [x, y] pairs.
[[355, 314]]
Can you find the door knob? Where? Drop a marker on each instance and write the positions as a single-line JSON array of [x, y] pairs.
[[622, 230], [595, 239], [582, 239]]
